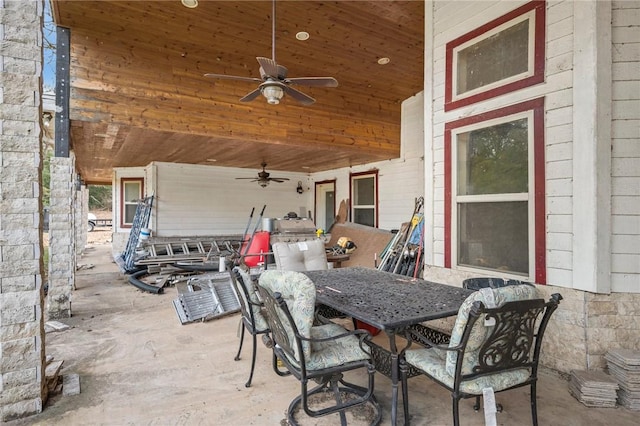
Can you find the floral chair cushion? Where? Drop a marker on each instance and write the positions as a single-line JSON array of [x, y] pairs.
[[334, 352], [432, 362], [441, 364], [258, 316], [299, 292], [479, 332]]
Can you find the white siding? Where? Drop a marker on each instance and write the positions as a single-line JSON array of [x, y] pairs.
[[625, 148], [205, 200]]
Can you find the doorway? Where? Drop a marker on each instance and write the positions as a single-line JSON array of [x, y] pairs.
[[325, 204]]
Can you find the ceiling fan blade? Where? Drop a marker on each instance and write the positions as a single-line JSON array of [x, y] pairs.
[[298, 95], [251, 95], [246, 178], [314, 81], [233, 77], [278, 179], [270, 67]]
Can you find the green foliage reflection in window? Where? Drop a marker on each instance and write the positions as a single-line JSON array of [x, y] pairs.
[[494, 160]]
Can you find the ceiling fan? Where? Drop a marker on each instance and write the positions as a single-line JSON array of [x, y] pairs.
[[263, 178], [273, 78]]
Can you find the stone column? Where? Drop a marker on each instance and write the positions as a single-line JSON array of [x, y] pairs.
[[62, 241], [80, 215], [22, 389]]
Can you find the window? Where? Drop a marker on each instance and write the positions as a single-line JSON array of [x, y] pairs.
[[130, 194], [504, 55], [494, 191], [364, 198]]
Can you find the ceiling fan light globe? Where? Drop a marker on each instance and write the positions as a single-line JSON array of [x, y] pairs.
[[273, 94], [264, 184]]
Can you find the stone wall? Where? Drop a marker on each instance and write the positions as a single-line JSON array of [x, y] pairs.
[[21, 291], [587, 325], [62, 240]]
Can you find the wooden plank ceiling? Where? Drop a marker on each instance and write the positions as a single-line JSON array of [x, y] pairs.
[[138, 91]]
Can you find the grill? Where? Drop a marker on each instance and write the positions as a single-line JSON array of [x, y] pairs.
[[292, 230]]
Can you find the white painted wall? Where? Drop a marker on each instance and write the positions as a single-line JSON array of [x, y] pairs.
[[206, 200]]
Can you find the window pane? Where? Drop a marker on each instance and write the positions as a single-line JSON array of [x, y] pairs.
[[495, 58], [131, 191], [363, 191], [364, 216], [129, 212], [493, 160], [494, 236]]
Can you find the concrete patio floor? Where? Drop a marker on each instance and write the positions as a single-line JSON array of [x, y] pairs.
[[139, 366]]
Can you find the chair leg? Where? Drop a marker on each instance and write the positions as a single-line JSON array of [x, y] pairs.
[[534, 405], [237, 358], [476, 406], [456, 411], [253, 360]]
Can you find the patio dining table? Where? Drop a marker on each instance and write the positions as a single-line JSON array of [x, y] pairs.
[[389, 302]]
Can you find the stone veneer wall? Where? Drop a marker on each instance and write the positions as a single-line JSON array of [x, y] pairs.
[[81, 212], [583, 328], [22, 389], [587, 325], [62, 240]]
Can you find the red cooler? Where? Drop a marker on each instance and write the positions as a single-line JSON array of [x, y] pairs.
[[257, 250]]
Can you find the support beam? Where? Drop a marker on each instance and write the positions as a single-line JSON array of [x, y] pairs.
[[63, 91], [592, 146]]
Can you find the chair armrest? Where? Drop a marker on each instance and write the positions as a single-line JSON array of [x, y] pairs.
[[362, 335]]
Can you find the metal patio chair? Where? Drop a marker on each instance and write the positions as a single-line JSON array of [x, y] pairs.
[[252, 318], [492, 349], [322, 353]]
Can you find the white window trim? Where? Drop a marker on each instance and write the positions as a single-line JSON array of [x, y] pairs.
[[373, 206], [529, 196], [531, 15]]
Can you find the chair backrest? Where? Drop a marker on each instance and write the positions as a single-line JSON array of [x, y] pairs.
[[290, 299], [301, 256], [250, 305], [498, 330], [491, 282]]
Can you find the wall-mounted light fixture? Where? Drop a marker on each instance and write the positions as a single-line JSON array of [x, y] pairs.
[[299, 189]]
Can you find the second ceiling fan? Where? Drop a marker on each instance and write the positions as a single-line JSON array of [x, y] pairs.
[[274, 82], [263, 178]]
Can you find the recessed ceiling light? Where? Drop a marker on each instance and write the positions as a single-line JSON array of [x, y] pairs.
[[211, 160], [191, 4], [302, 36], [384, 61], [306, 167]]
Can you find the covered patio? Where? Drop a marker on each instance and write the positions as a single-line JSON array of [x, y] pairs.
[[138, 365]]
